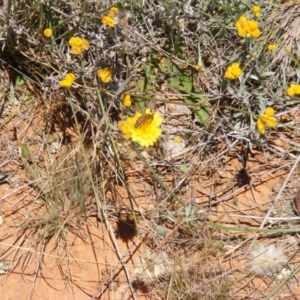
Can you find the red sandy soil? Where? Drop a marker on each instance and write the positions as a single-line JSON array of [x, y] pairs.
[[84, 264]]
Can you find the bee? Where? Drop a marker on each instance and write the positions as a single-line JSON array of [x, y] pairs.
[[121, 18], [143, 119]]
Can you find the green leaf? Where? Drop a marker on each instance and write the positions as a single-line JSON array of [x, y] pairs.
[[186, 83], [143, 87], [25, 152], [141, 84], [184, 168], [201, 113]]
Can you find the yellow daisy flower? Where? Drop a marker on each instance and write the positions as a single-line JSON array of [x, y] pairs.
[[293, 90], [290, 91], [85, 44], [126, 127], [252, 25], [272, 47], [255, 33], [67, 81], [126, 100], [78, 45], [242, 21], [267, 119], [256, 11], [70, 76], [113, 11], [242, 32], [260, 126], [105, 74], [233, 71], [270, 111], [76, 50], [142, 128], [75, 41], [247, 28], [109, 21], [48, 32], [297, 89]]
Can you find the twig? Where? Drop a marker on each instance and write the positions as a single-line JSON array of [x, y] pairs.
[[113, 271], [276, 199]]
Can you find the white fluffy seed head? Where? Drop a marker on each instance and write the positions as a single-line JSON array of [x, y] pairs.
[[153, 267], [267, 259]]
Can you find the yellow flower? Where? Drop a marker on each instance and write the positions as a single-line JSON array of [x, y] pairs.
[[76, 50], [247, 28], [85, 44], [293, 90], [126, 100], [256, 33], [113, 11], [267, 119], [272, 47], [78, 45], [126, 127], [48, 32], [242, 21], [105, 74], [70, 76], [297, 89], [233, 71], [197, 67], [177, 139], [290, 91], [142, 128], [269, 111], [75, 41], [260, 126], [242, 32], [67, 81], [252, 25], [109, 21], [256, 11]]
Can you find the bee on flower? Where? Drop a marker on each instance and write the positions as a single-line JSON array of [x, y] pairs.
[[143, 128]]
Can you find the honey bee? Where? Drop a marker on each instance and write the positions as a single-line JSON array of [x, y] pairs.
[[143, 119], [122, 19]]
